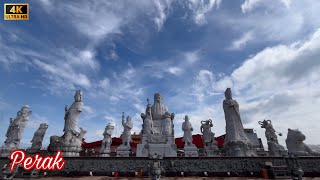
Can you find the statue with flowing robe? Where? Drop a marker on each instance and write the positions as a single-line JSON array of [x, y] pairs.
[[237, 142]]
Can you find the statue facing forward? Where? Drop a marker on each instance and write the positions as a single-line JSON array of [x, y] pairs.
[[236, 142], [210, 145], [70, 142], [187, 131], [107, 141], [15, 131], [124, 149]]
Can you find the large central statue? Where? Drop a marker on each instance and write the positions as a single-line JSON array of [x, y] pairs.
[[236, 142], [70, 142], [157, 132]]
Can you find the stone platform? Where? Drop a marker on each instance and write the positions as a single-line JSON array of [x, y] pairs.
[[191, 166]]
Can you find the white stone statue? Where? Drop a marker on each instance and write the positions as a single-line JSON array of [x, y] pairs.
[[127, 126], [162, 119], [275, 149], [38, 138], [15, 131], [210, 145], [107, 140], [187, 131], [147, 120], [236, 142], [158, 130], [296, 146], [70, 142], [124, 149]]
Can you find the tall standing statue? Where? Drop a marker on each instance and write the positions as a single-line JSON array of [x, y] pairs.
[[275, 149], [147, 127], [210, 145], [107, 141], [158, 130], [124, 149], [190, 150], [15, 131], [37, 139], [70, 142], [236, 142]]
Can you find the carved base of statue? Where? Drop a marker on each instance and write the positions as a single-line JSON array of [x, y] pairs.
[[6, 150], [190, 151], [239, 148], [164, 150], [123, 151], [276, 149], [211, 150], [104, 153], [67, 151]]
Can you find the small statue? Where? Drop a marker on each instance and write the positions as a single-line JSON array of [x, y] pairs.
[[187, 129], [147, 120], [38, 137], [296, 146], [211, 145], [107, 140], [127, 126], [15, 131], [124, 149], [275, 149]]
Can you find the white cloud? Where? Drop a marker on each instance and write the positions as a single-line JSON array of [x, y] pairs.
[[200, 8], [242, 41]]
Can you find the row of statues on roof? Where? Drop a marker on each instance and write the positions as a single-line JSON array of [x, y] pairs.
[[157, 135]]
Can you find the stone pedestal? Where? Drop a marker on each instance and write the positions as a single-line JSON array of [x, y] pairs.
[[190, 151], [105, 153], [239, 148], [67, 151], [164, 150], [123, 151]]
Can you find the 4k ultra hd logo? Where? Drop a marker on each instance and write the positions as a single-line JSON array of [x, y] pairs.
[[16, 11]]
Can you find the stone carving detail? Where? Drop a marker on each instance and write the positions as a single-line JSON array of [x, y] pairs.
[[210, 145], [157, 132], [107, 141], [70, 142], [296, 146], [37, 139], [275, 149], [124, 149], [15, 131], [190, 149], [236, 142]]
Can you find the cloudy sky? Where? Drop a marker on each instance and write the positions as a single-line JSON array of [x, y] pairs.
[[121, 52]]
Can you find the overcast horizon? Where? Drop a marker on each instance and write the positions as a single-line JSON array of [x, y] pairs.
[[119, 53]]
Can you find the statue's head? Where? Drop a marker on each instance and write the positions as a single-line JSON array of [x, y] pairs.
[[43, 126], [295, 135], [110, 126], [157, 98], [265, 123], [24, 110], [228, 93], [78, 96], [186, 118]]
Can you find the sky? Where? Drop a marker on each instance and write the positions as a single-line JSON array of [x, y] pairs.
[[121, 52]]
